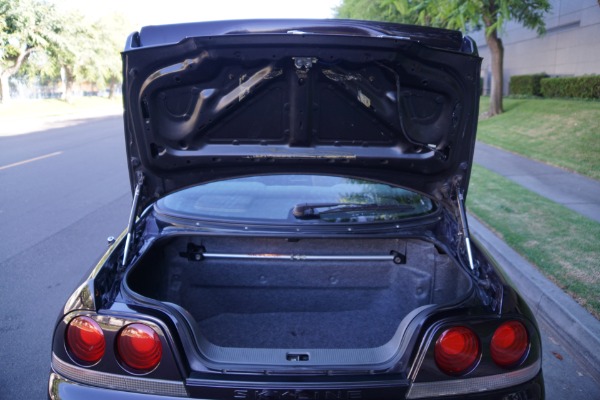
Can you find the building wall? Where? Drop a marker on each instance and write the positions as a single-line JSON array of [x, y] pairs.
[[571, 45]]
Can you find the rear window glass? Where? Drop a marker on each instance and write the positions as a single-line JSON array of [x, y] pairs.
[[297, 199]]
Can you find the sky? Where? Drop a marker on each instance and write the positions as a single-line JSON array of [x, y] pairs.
[[147, 12]]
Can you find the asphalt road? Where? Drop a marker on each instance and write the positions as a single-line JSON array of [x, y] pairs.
[[62, 193], [56, 213]]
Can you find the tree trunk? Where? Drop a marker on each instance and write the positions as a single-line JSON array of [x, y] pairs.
[[111, 90], [69, 92], [10, 71], [63, 83], [4, 87], [66, 76], [497, 54]]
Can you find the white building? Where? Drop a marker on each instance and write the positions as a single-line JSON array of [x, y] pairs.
[[570, 46]]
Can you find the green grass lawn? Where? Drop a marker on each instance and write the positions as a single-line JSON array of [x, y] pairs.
[[55, 107], [564, 133], [564, 245]]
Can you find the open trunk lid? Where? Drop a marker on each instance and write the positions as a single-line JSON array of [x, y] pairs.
[[209, 101]]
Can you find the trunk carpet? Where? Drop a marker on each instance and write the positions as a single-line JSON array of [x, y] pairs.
[[301, 330], [302, 318]]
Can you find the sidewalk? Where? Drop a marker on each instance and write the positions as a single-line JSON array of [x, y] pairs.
[[574, 191], [579, 329], [11, 126]]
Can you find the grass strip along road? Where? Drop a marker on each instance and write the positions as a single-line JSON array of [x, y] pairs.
[[564, 133], [564, 245], [561, 243]]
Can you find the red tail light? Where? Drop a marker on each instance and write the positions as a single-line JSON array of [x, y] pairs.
[[85, 340], [457, 350], [139, 347], [509, 344]]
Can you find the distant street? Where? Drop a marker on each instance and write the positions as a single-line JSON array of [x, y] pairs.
[[62, 193]]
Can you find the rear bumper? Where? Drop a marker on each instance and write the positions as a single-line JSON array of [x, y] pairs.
[[531, 390], [61, 388]]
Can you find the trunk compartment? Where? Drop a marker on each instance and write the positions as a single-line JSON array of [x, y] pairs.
[[262, 303]]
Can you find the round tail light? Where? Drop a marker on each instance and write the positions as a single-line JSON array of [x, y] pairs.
[[85, 341], [457, 350], [139, 347], [509, 344]]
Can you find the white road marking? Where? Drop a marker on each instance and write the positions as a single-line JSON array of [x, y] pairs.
[[30, 160]]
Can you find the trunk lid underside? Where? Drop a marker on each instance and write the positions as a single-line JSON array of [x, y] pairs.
[[391, 109]]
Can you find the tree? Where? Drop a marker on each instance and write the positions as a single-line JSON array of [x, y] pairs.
[[67, 46], [373, 10], [87, 52], [467, 15], [70, 49], [26, 26], [106, 69]]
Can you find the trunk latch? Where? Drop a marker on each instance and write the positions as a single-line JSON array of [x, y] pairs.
[[297, 357]]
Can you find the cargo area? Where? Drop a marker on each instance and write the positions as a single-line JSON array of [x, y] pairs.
[[272, 293]]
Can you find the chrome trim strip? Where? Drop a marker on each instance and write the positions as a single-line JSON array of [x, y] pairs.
[[473, 385], [118, 382]]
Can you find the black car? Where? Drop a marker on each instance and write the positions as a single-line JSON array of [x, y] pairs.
[[298, 228]]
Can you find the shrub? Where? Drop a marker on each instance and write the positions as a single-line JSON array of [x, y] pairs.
[[584, 87], [527, 85]]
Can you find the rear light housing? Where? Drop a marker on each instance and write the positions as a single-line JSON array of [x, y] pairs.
[[475, 356], [509, 344], [77, 329], [457, 351], [139, 348], [117, 345], [84, 340]]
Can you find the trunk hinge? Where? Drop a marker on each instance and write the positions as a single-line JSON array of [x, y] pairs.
[[132, 214], [464, 226]]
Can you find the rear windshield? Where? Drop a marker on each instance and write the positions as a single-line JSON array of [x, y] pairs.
[[296, 199]]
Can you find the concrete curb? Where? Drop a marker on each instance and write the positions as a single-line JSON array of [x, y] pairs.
[[579, 330]]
